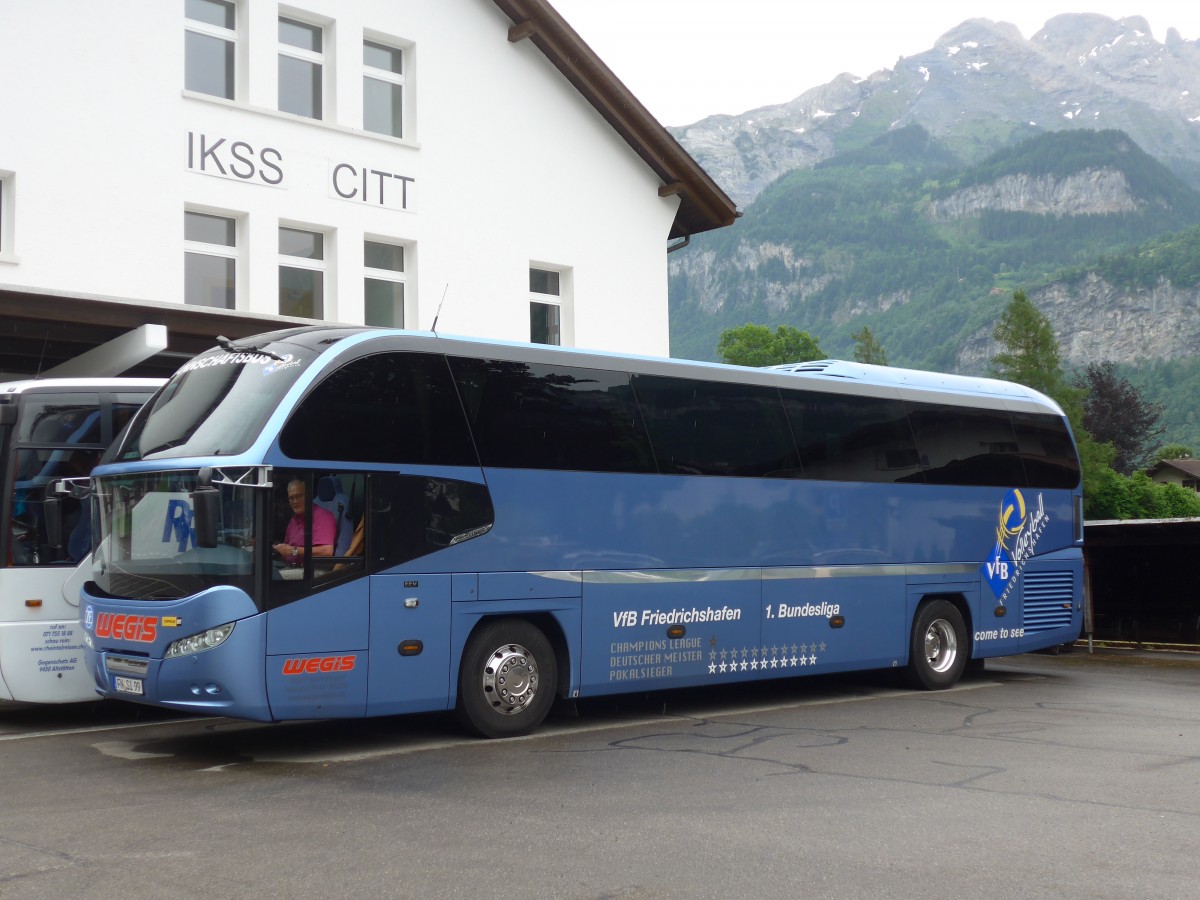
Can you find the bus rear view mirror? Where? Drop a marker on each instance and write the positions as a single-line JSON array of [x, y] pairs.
[[206, 510], [52, 513]]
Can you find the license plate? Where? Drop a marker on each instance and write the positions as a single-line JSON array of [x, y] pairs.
[[129, 685]]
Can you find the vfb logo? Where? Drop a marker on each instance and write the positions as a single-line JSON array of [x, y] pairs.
[[997, 568], [1000, 566]]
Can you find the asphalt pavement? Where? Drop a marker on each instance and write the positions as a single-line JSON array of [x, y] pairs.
[[1042, 776]]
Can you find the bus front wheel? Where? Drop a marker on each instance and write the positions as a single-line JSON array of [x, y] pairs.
[[507, 680], [939, 649]]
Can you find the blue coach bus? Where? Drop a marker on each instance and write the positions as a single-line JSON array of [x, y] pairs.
[[338, 522]]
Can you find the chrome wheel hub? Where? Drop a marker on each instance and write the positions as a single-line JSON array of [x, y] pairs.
[[510, 679], [941, 645]]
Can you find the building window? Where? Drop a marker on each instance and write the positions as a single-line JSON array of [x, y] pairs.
[[210, 41], [301, 62], [383, 284], [383, 89], [545, 306], [301, 273], [6, 214], [1191, 484], [209, 260]]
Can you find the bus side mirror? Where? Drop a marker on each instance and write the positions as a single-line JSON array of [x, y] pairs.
[[206, 510], [52, 514]]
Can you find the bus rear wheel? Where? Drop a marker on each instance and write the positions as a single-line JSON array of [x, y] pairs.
[[938, 653], [507, 680]]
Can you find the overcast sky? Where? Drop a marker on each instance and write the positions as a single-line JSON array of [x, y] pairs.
[[687, 59]]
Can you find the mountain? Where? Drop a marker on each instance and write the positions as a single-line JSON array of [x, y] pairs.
[[980, 88], [927, 252], [918, 199]]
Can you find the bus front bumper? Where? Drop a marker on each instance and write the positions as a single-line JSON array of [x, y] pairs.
[[226, 680]]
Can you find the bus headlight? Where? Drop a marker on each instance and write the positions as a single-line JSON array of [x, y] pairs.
[[205, 640]]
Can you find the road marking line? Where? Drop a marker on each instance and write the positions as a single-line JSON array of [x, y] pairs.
[[91, 729]]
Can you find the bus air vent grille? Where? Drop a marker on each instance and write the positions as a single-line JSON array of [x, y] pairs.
[[1049, 598]]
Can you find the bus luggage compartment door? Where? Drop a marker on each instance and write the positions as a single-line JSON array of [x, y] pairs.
[[410, 644], [832, 618], [669, 628]]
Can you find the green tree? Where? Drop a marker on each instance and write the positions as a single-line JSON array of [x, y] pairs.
[[1029, 355], [757, 345], [867, 348], [1172, 451], [1028, 349], [1115, 412]]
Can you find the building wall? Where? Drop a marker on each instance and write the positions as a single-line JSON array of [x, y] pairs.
[[1168, 475], [504, 164]]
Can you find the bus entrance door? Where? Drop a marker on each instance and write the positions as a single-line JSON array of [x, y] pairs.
[[410, 643], [317, 655]]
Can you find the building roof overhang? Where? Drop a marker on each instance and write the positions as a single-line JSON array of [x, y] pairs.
[[1189, 467], [703, 205], [40, 330]]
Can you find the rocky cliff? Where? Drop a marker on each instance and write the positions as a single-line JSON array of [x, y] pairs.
[[1095, 321], [1089, 192]]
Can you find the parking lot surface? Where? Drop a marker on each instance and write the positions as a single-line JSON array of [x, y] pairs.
[[1042, 776]]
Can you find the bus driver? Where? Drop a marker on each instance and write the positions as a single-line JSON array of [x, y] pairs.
[[324, 526]]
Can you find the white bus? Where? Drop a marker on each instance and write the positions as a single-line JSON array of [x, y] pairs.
[[50, 429]]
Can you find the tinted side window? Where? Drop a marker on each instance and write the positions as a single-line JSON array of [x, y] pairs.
[[61, 419], [851, 438], [532, 416], [710, 428], [412, 516], [962, 445], [124, 406], [35, 470], [317, 524], [1046, 449], [387, 408]]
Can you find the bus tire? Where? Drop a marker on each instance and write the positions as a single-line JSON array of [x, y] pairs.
[[507, 679], [938, 652]]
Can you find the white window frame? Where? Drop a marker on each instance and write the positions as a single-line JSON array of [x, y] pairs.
[[403, 79], [315, 265], [562, 300], [409, 309], [323, 59], [225, 34], [7, 216], [221, 250]]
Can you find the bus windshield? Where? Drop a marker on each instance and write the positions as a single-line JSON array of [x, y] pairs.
[[216, 404], [145, 543]]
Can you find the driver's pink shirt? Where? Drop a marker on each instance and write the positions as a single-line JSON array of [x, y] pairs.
[[324, 529]]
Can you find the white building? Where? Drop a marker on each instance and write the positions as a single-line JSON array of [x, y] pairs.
[[211, 166]]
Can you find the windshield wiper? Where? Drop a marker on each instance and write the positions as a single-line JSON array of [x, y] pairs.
[[166, 445], [230, 347]]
